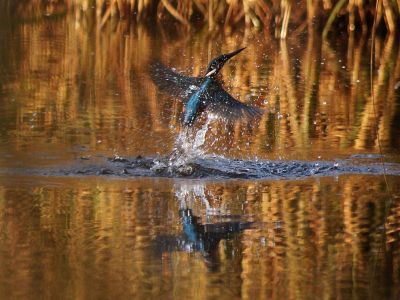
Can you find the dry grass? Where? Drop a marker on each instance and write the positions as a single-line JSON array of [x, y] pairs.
[[275, 16]]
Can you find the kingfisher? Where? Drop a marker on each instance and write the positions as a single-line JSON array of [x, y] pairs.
[[203, 93], [204, 238]]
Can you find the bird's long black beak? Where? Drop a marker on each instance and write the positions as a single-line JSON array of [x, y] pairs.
[[232, 54]]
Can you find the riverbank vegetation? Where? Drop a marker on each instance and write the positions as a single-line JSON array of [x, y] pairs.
[[279, 17]]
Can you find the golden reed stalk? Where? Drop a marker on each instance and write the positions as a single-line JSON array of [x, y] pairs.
[[274, 16]]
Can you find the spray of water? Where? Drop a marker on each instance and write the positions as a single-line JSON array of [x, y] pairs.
[[188, 193], [189, 145]]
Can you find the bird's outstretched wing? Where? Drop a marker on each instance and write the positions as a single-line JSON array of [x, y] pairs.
[[227, 107], [173, 83]]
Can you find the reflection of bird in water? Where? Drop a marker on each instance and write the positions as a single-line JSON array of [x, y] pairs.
[[203, 238], [202, 93]]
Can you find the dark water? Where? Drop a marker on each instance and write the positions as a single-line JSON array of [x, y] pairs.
[[291, 206]]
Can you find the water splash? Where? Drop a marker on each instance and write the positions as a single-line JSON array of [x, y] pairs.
[[212, 167], [187, 193], [189, 145]]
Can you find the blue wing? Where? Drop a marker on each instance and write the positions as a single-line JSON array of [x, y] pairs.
[[226, 106], [173, 83], [219, 101]]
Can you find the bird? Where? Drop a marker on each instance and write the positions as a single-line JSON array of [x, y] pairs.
[[203, 93], [203, 238]]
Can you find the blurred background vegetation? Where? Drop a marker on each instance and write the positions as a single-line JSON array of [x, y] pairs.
[[279, 17]]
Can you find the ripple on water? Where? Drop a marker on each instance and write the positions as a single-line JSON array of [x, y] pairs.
[[216, 167], [189, 159]]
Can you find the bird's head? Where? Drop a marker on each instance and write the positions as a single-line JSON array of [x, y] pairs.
[[217, 63]]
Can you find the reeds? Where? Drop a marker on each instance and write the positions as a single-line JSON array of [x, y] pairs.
[[275, 16]]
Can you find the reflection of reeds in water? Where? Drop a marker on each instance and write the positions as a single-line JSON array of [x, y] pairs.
[[93, 89], [274, 15], [385, 103], [322, 242], [314, 239]]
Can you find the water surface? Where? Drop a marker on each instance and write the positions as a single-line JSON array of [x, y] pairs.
[[291, 206]]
